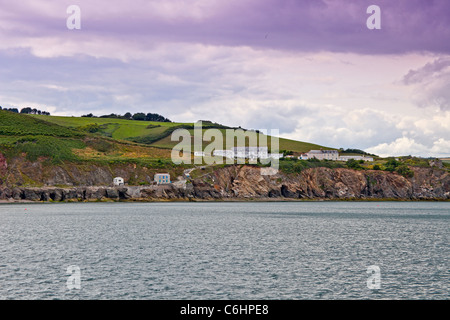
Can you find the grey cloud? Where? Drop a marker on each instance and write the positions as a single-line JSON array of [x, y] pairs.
[[432, 82], [427, 72]]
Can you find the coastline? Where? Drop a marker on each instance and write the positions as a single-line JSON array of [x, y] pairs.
[[236, 200]]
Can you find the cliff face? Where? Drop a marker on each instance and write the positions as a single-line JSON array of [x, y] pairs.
[[229, 183], [18, 172], [324, 183]]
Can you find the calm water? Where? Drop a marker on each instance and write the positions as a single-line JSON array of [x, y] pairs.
[[318, 250]]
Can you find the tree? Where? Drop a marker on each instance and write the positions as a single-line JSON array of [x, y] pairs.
[[127, 115], [139, 116], [156, 117], [26, 110], [112, 115], [405, 171], [391, 165]]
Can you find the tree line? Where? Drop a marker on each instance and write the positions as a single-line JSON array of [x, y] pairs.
[[139, 116], [27, 110]]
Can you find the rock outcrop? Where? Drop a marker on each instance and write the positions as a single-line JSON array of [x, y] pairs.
[[246, 182]]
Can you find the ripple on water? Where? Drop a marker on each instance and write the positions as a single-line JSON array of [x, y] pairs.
[[226, 250]]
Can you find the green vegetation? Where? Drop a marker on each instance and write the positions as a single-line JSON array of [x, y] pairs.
[[354, 164], [20, 133], [415, 162], [43, 146], [354, 152], [393, 165], [297, 166], [36, 138], [157, 134], [13, 124], [405, 171]]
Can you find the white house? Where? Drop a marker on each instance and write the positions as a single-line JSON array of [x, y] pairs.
[[162, 178], [118, 181], [323, 154], [364, 158], [303, 156]]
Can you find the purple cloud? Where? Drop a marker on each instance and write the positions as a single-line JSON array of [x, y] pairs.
[[307, 25]]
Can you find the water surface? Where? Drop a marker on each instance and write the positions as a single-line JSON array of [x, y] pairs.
[[279, 250]]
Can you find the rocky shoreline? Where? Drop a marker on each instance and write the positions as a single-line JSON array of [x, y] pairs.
[[245, 183]]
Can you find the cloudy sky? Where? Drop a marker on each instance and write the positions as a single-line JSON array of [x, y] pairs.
[[310, 68]]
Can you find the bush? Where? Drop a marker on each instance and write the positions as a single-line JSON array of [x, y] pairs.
[[353, 164], [405, 171], [42, 146], [91, 128]]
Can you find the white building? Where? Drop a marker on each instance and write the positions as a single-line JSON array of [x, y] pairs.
[[276, 155], [118, 181], [251, 152], [247, 153], [224, 153], [162, 178], [364, 158], [323, 154]]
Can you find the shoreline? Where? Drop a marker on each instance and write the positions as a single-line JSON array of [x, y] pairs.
[[237, 200]]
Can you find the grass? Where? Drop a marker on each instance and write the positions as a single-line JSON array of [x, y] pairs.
[[37, 138], [284, 144], [13, 124], [115, 128], [158, 134]]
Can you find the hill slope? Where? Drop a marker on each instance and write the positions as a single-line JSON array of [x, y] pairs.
[[157, 134], [36, 138]]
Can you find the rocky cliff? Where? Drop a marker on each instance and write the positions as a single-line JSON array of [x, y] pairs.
[[324, 183], [229, 183]]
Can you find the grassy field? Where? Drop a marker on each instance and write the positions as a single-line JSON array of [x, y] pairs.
[[59, 140], [158, 134], [114, 128]]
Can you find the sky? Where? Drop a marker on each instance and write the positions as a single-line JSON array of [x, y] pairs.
[[310, 68]]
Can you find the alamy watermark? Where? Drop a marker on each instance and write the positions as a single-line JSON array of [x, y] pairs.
[[74, 280], [241, 147], [374, 21], [73, 22], [374, 280]]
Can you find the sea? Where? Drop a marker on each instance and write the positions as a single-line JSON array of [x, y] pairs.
[[225, 250]]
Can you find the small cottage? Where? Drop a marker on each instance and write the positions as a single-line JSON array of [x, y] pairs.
[[118, 181], [162, 178]]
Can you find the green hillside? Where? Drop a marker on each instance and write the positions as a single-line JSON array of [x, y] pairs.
[[36, 137], [156, 134], [102, 140]]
